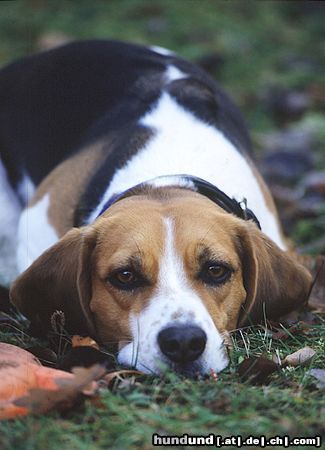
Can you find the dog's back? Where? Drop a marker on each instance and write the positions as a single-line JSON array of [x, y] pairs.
[[95, 118], [53, 102]]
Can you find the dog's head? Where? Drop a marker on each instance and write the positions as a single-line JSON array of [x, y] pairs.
[[164, 277]]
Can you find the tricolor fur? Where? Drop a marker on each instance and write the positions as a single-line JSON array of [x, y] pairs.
[[85, 123]]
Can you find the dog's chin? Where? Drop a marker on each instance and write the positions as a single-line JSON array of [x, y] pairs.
[[196, 369], [188, 370]]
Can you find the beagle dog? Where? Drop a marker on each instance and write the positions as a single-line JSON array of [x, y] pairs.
[[129, 189]]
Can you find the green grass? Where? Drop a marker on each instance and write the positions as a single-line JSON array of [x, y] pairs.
[[256, 39], [128, 415]]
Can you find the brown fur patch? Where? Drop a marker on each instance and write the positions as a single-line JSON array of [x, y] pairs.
[[65, 185], [124, 238], [264, 278]]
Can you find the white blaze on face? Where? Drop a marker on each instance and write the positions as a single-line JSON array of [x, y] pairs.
[[174, 302]]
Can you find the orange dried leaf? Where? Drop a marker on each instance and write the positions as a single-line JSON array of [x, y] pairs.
[[28, 387], [21, 371], [67, 391]]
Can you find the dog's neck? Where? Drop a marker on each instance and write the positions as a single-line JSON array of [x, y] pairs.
[[194, 184]]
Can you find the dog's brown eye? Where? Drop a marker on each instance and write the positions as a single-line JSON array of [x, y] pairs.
[[127, 279], [215, 273], [125, 276]]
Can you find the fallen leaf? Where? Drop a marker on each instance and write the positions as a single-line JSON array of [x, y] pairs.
[[21, 371], [299, 358], [28, 387], [66, 392], [256, 369], [80, 341], [9, 352], [319, 374], [283, 333]]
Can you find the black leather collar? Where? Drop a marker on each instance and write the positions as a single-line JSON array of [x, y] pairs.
[[195, 184]]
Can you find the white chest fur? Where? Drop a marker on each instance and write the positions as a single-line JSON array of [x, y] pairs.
[[183, 144]]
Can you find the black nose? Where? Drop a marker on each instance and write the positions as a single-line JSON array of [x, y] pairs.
[[182, 343]]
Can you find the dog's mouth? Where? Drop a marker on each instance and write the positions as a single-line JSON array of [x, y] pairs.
[[159, 364], [188, 370]]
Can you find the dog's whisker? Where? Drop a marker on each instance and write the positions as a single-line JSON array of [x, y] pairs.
[[136, 346]]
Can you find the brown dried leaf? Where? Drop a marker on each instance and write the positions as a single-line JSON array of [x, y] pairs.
[[256, 369], [80, 341], [299, 358], [283, 333]]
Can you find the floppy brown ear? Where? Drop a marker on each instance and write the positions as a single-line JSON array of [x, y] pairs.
[[275, 282], [60, 279]]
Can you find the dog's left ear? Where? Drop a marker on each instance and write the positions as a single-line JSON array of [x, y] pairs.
[[275, 282], [59, 280]]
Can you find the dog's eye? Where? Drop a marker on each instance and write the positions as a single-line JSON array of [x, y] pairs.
[[215, 273], [126, 279]]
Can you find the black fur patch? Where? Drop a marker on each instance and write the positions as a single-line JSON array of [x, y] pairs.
[[56, 102]]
